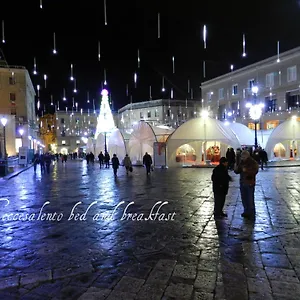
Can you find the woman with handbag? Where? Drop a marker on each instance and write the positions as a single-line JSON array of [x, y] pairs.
[[127, 164]]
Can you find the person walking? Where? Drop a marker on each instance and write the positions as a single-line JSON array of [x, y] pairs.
[[42, 163], [36, 161], [248, 168], [101, 159], [106, 159], [115, 164], [147, 162], [47, 159], [220, 179], [127, 164], [263, 158]]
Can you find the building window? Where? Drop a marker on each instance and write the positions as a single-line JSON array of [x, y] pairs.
[[156, 114], [292, 100], [221, 93], [270, 104], [12, 80], [234, 89], [13, 111], [169, 112], [292, 74], [149, 114], [63, 142], [270, 80], [208, 96], [62, 121], [12, 96], [251, 83], [141, 115]]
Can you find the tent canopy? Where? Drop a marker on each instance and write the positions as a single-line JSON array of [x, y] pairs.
[[242, 132], [116, 144], [246, 136], [142, 138], [285, 132], [204, 129], [197, 131]]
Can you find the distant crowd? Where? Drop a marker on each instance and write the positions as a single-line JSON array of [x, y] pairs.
[[44, 160]]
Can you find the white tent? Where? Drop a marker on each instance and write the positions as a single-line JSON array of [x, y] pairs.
[[142, 138], [100, 144], [199, 133], [116, 144], [263, 137], [287, 134], [244, 134], [162, 132]]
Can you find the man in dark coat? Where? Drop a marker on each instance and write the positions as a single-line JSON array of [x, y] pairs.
[[115, 164], [220, 179], [147, 162], [101, 159]]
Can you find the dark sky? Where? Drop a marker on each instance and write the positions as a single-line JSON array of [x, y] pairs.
[[132, 24]]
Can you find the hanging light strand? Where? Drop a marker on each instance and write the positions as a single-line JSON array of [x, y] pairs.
[[244, 46], [173, 64], [3, 32], [54, 44], [204, 35], [34, 66], [71, 75], [99, 52], [139, 59], [105, 81], [158, 25], [105, 13]]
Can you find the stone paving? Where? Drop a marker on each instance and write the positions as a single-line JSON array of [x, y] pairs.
[[108, 252]]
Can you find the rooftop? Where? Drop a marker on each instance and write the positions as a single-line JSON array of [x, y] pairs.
[[284, 56], [158, 102]]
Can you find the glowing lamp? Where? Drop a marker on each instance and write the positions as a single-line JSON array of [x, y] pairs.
[[254, 89], [21, 131], [104, 93], [255, 112], [204, 114], [3, 121]]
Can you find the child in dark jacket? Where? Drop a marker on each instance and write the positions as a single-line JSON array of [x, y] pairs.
[[220, 179]]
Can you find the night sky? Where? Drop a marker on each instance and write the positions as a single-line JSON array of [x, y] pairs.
[[133, 24]]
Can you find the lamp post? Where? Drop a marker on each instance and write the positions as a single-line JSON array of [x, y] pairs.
[[21, 131], [204, 115], [255, 113], [3, 122]]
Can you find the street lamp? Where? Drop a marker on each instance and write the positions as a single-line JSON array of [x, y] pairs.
[[3, 122], [255, 113], [21, 131]]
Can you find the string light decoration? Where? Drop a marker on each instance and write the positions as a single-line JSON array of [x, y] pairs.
[[3, 33], [54, 44], [34, 66], [244, 46]]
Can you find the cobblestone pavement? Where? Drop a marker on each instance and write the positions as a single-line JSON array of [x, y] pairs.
[[101, 256]]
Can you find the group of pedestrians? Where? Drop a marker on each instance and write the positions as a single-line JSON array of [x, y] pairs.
[[247, 167], [44, 160], [104, 159]]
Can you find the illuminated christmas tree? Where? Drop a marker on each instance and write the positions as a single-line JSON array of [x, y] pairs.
[[105, 121]]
